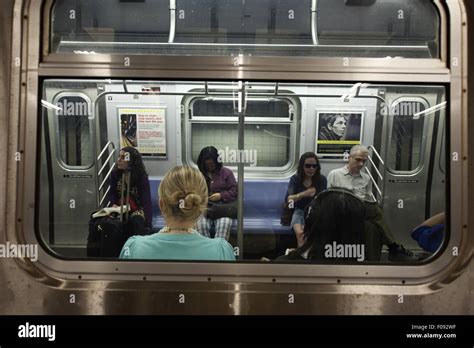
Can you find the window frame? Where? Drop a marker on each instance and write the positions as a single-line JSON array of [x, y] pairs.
[[294, 120], [25, 102], [246, 64], [312, 34], [91, 132], [422, 148]]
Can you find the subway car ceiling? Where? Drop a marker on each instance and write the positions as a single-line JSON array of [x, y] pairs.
[[95, 85]]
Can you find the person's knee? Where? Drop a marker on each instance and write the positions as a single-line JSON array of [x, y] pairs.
[[298, 229]]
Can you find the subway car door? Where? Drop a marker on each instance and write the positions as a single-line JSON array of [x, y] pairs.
[[414, 177], [70, 156]]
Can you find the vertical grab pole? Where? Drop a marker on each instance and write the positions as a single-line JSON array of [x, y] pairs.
[[127, 197], [314, 22], [240, 171], [172, 21], [121, 197]]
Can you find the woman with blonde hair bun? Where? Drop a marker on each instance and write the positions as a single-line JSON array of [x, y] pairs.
[[182, 199]]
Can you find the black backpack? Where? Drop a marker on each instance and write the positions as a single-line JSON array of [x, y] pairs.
[[108, 234]]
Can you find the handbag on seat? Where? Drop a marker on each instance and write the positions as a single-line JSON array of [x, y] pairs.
[[286, 214], [217, 210]]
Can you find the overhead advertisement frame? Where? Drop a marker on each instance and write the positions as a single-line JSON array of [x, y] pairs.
[[337, 132], [144, 129]]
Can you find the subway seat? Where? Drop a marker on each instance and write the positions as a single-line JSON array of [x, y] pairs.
[[262, 207]]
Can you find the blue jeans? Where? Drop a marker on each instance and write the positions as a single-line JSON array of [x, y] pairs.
[[298, 217]]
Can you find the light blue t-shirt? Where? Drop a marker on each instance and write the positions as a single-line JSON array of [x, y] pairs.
[[173, 246]]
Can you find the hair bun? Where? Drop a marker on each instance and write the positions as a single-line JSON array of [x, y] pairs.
[[190, 201]]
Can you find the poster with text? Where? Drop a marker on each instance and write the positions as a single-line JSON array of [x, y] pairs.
[[144, 129], [337, 132]]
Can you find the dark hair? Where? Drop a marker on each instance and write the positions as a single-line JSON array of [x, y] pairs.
[[209, 152], [135, 165], [333, 216], [300, 172], [333, 119]]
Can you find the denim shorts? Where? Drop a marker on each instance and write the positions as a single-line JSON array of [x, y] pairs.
[[298, 217]]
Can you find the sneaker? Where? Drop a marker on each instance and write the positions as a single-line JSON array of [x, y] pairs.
[[400, 254]]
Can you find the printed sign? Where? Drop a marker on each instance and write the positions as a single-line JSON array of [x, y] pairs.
[[144, 129], [338, 132]]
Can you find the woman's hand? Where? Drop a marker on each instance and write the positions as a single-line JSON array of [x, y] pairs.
[[215, 197], [310, 192]]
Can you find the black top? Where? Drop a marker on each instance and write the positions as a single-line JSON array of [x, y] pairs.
[[296, 186]]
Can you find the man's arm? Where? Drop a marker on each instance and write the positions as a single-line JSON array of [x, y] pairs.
[[330, 179], [434, 220], [368, 193]]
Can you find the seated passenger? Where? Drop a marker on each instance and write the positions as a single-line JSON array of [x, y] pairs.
[[130, 160], [430, 234], [352, 178], [222, 189], [333, 229], [182, 199], [304, 185]]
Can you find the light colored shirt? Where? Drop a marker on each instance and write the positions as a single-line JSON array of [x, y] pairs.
[[177, 246], [359, 184]]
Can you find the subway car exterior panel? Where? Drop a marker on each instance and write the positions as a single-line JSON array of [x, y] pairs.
[[255, 78]]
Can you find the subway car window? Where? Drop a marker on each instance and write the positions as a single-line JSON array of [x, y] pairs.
[[268, 128], [407, 135], [271, 142], [107, 26], [321, 179], [266, 107], [75, 138], [323, 28]]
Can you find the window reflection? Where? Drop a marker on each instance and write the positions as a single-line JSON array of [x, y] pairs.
[[321, 28], [283, 152]]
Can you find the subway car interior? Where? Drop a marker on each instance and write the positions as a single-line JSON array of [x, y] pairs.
[[279, 89], [402, 125]]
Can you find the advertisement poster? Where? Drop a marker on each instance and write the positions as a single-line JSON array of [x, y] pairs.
[[337, 132], [144, 129]]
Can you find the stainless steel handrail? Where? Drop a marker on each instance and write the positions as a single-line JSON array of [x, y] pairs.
[[106, 177], [103, 197], [106, 146], [172, 21], [134, 43], [379, 190], [110, 147], [106, 162], [240, 171], [373, 181], [314, 22], [376, 170], [377, 154]]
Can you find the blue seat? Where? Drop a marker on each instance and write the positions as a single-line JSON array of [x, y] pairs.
[[262, 207]]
